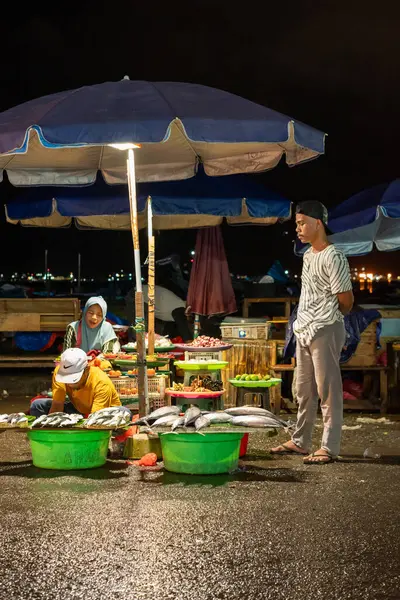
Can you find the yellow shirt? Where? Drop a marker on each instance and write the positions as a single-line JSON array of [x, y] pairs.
[[98, 392]]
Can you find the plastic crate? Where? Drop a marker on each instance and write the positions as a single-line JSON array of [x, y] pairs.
[[127, 387], [203, 356], [246, 331]]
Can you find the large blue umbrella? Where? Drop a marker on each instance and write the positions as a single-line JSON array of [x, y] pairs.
[[371, 217], [64, 138], [197, 202]]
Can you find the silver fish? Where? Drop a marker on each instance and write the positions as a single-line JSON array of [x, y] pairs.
[[178, 423], [39, 420], [239, 411], [165, 421], [163, 412], [13, 417], [201, 422], [255, 421], [191, 415], [218, 417]]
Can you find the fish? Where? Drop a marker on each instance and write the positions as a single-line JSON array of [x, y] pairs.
[[39, 420], [239, 411], [191, 415], [218, 417], [163, 412], [201, 422], [13, 418], [178, 423], [165, 421], [255, 421]]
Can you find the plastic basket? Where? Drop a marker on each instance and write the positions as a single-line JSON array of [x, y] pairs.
[[127, 387]]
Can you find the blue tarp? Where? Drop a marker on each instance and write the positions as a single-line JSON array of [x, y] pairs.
[[355, 323], [277, 272]]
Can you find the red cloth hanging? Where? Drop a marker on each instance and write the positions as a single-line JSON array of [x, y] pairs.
[[210, 288]]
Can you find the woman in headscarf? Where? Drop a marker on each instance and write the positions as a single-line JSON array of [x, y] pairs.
[[92, 332]]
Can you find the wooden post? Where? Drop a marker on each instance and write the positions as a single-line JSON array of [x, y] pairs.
[[144, 407]]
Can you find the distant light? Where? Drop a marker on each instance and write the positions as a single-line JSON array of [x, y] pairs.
[[286, 272], [295, 276], [126, 146], [389, 276], [370, 276], [192, 252], [363, 269], [191, 260]]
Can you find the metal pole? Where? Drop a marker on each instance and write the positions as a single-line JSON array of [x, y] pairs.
[[144, 407], [151, 278]]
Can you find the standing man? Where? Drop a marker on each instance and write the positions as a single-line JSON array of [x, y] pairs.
[[326, 296]]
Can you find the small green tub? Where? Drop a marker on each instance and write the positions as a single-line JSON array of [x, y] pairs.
[[68, 449], [196, 454]]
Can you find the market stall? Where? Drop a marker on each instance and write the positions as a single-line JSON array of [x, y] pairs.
[[60, 139]]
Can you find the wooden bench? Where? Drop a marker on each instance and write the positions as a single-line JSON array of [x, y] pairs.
[[363, 404]]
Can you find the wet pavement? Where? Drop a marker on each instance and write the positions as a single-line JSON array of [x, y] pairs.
[[275, 530]]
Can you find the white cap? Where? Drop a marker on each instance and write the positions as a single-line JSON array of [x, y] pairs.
[[73, 362]]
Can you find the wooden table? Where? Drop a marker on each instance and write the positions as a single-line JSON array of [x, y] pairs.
[[288, 302]]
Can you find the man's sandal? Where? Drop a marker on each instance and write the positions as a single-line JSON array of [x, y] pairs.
[[284, 449], [319, 459]]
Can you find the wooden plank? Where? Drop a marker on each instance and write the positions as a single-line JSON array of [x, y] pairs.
[[27, 357], [19, 322], [42, 305], [33, 361]]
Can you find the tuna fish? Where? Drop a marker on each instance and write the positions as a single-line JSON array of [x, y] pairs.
[[191, 415], [163, 412], [179, 422], [201, 422], [240, 411], [165, 421], [218, 417], [256, 421]]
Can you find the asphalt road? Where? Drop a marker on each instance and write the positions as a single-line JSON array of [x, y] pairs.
[[274, 530]]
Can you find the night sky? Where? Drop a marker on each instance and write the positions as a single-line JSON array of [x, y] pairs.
[[333, 65]]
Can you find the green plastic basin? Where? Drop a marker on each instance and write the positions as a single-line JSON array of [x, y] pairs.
[[69, 449], [197, 454]]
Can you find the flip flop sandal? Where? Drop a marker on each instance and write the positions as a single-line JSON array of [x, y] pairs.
[[326, 459], [287, 450]]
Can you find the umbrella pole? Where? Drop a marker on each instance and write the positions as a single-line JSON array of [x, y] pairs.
[[144, 407], [151, 278]]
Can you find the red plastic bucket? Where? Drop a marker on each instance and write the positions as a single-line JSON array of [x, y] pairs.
[[243, 445]]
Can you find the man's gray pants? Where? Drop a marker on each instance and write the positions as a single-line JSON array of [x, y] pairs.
[[318, 376]]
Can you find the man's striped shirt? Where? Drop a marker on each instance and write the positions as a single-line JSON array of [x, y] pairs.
[[325, 274]]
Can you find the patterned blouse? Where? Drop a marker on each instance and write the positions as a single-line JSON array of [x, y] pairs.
[[70, 342]]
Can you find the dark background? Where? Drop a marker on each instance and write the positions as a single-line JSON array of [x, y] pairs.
[[333, 65]]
